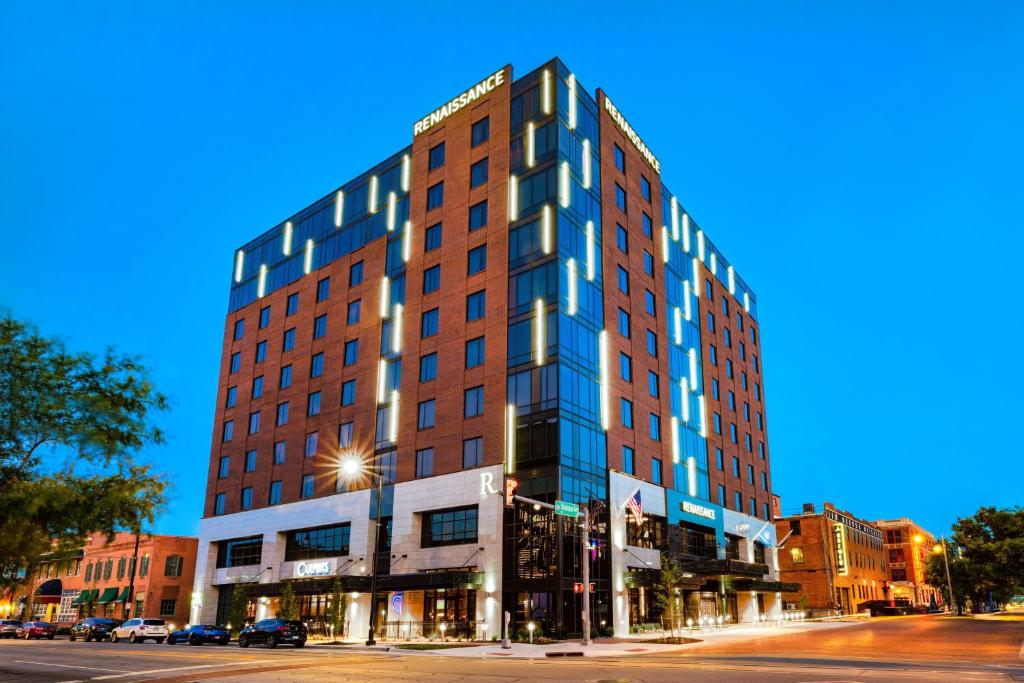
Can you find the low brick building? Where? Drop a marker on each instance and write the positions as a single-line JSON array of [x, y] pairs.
[[907, 548], [838, 560], [97, 580]]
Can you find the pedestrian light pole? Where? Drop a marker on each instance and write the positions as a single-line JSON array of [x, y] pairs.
[[352, 467]]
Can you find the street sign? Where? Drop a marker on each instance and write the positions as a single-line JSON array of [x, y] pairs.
[[567, 509]]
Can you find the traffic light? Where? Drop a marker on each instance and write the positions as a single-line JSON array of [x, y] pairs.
[[511, 489]]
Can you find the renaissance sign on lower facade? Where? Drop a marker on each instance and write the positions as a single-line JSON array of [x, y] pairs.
[[461, 100], [699, 510]]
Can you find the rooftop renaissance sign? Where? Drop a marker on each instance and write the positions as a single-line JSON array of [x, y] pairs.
[[479, 90], [627, 129]]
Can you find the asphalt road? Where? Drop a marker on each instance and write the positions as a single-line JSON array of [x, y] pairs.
[[901, 649]]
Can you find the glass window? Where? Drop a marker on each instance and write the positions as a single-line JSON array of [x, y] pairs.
[[715, 391], [652, 384], [435, 196], [228, 431], [652, 343], [620, 198], [345, 432], [627, 413], [261, 351], [292, 307], [432, 238], [477, 259], [450, 527], [257, 386], [313, 404], [648, 225], [478, 216], [481, 131], [428, 325], [727, 336], [476, 304], [428, 367], [655, 427], [624, 323], [319, 326], [348, 393], [622, 280], [239, 329], [711, 321], [250, 461], [655, 471], [282, 413], [237, 552], [750, 474], [288, 341], [718, 423], [317, 542], [425, 414], [645, 188], [224, 468], [275, 493], [432, 279], [648, 263], [719, 459], [436, 158], [621, 239], [472, 452], [307, 486], [312, 439], [424, 462], [323, 289], [721, 495], [355, 311], [280, 452], [316, 365], [625, 367], [286, 377], [728, 368], [254, 422], [620, 158], [236, 361], [355, 273], [474, 352], [246, 498], [232, 397], [478, 173], [474, 402], [628, 464], [264, 316], [649, 303], [713, 354]]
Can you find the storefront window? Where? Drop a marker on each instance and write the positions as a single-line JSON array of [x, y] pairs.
[[240, 552], [309, 544]]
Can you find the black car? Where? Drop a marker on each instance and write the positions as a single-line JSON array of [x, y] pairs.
[[198, 634], [274, 632], [93, 628], [9, 628]]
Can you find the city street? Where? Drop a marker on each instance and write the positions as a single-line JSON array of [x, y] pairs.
[[919, 648]]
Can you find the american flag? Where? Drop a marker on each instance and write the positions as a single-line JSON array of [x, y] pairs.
[[636, 507]]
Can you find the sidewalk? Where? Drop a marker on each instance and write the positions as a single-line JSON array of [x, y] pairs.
[[603, 647]]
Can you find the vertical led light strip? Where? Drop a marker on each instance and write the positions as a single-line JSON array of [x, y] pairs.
[[691, 475], [261, 283], [703, 415], [570, 267], [591, 263], [696, 277], [339, 208], [572, 101], [686, 301], [664, 244], [545, 229], [674, 426], [545, 92], [700, 245], [385, 295], [674, 205], [392, 206], [396, 337], [746, 302], [382, 379], [686, 233], [307, 260], [678, 320], [587, 171], [407, 241], [540, 342], [239, 264], [286, 246], [563, 184], [684, 400], [510, 438], [394, 416], [531, 144], [714, 264], [602, 351], [732, 280], [693, 369], [372, 197], [513, 198], [406, 172]]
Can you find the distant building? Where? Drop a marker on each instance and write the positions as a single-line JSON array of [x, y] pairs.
[[97, 580], [907, 548], [838, 560]]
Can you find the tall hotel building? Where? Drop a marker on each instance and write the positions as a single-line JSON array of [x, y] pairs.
[[514, 297]]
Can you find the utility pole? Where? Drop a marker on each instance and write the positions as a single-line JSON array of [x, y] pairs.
[[949, 581], [586, 574], [126, 608]]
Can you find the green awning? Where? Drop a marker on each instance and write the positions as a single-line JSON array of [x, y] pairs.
[[108, 596], [123, 597], [80, 598]]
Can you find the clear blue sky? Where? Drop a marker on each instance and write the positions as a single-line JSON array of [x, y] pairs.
[[860, 164]]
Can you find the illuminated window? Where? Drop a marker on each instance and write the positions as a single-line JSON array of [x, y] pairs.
[[797, 554]]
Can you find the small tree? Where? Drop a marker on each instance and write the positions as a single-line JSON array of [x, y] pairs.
[[668, 590], [288, 607], [336, 609], [238, 610]]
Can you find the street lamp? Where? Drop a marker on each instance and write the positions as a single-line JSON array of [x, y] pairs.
[[353, 467], [941, 548]]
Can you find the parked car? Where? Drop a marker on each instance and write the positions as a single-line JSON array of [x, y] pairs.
[[197, 634], [9, 628], [36, 629], [138, 630], [273, 632], [93, 628]]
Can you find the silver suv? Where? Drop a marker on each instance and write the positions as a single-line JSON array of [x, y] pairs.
[[138, 630]]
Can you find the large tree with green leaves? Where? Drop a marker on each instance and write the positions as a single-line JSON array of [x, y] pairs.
[[986, 557], [288, 606], [71, 427]]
